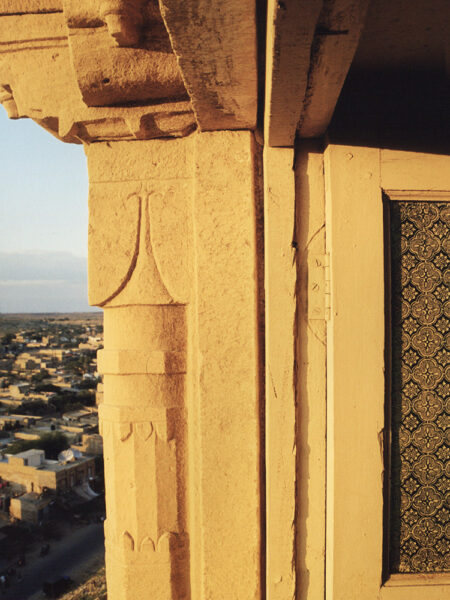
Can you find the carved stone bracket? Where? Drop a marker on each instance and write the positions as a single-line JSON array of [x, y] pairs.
[[124, 19], [94, 85], [7, 99], [108, 71], [121, 52]]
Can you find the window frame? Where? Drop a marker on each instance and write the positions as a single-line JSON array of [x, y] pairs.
[[356, 179]]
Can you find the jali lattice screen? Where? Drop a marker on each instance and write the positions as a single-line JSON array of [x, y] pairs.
[[420, 387]]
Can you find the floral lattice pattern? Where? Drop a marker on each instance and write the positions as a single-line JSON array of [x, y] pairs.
[[420, 450]]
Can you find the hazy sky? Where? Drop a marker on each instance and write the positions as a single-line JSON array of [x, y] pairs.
[[43, 220]]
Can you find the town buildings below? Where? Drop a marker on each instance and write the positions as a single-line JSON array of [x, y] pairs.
[[48, 392]]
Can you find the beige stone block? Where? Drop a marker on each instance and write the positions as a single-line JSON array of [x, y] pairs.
[[29, 6], [226, 409], [19, 29], [121, 52], [155, 573], [159, 159], [127, 362], [156, 390], [163, 329], [108, 75]]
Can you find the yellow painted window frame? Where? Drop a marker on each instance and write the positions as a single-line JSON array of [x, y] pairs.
[[355, 178]]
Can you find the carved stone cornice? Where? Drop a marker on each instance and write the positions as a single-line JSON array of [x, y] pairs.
[[75, 73], [106, 70]]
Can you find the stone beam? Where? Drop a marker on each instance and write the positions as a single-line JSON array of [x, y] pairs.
[[310, 47], [290, 32], [216, 46], [280, 285], [335, 42]]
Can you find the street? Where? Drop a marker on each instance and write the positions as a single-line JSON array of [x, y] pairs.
[[70, 556]]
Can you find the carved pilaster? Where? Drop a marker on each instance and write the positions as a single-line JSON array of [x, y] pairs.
[[144, 434], [136, 228]]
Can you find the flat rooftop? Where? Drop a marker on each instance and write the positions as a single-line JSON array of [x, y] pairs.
[[29, 453]]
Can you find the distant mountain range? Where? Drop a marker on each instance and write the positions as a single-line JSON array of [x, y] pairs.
[[43, 282]]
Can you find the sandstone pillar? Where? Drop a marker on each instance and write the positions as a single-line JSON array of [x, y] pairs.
[[138, 227], [173, 263]]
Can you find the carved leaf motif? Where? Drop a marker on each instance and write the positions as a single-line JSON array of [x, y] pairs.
[[125, 431], [143, 430], [147, 544], [171, 227], [128, 541], [113, 240]]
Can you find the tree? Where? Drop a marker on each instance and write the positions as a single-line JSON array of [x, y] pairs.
[[87, 384], [46, 387], [43, 374], [8, 338], [35, 407], [52, 443]]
